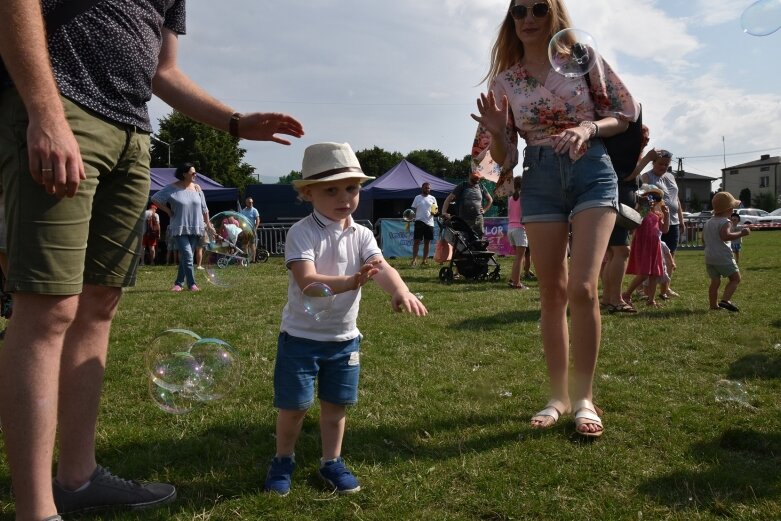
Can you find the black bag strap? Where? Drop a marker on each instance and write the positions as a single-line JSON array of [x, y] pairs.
[[625, 148], [67, 11]]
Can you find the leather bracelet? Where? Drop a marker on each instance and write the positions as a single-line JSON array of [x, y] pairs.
[[592, 127], [233, 124]]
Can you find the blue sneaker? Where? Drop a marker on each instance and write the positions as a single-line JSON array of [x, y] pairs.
[[279, 475], [339, 477]]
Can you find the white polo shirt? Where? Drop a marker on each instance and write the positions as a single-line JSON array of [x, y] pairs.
[[335, 251]]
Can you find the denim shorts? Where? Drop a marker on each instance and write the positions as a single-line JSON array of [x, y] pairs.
[[716, 271], [556, 188], [517, 238], [335, 365]]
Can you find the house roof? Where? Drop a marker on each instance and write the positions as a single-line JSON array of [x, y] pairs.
[[762, 161], [689, 176]]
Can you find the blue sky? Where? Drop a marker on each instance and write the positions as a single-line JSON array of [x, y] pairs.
[[404, 75]]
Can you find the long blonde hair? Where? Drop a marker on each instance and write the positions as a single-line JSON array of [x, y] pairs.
[[508, 49]]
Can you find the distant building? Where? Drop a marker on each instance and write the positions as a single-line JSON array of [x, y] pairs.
[[762, 176], [694, 190]]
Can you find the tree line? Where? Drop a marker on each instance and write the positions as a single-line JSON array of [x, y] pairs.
[[220, 156]]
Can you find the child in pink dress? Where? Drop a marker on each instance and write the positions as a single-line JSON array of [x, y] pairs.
[[645, 256]]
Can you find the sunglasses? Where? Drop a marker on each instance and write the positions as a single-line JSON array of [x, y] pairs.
[[539, 10]]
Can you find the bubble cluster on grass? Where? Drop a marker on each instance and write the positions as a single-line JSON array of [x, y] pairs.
[[186, 371]]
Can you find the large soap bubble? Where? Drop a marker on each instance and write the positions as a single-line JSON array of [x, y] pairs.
[[408, 215], [218, 369], [572, 52], [230, 235], [167, 357], [762, 18]]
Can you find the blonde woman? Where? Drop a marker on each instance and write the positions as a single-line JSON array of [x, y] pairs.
[[568, 180]]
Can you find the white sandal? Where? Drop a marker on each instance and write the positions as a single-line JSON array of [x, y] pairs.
[[553, 409], [586, 413]]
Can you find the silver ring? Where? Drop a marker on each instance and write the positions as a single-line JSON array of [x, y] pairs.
[[43, 170]]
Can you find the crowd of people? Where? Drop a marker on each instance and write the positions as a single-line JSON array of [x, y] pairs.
[[83, 164]]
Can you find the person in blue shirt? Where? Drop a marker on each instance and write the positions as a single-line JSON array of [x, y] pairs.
[[252, 215]]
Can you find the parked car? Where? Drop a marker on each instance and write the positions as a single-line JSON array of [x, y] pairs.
[[750, 215], [773, 217]]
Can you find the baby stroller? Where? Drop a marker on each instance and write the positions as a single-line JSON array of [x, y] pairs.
[[470, 253], [223, 247]]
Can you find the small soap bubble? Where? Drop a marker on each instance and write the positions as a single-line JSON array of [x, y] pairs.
[[408, 215], [419, 296], [318, 299], [505, 394], [730, 391], [761, 18], [572, 52], [777, 347]]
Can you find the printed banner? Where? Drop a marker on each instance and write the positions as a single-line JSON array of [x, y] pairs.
[[495, 232], [396, 241]]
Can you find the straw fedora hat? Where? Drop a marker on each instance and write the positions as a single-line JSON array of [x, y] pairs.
[[325, 162]]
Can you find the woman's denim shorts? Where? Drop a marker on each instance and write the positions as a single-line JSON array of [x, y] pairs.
[[556, 188], [335, 365]]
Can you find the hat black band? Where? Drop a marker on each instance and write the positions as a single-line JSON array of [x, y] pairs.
[[333, 172]]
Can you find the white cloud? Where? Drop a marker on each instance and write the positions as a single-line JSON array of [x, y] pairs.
[[404, 75]]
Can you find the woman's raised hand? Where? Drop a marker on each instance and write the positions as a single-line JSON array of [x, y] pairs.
[[492, 117]]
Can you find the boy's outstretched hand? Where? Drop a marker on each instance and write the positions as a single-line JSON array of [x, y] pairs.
[[367, 271], [406, 301]]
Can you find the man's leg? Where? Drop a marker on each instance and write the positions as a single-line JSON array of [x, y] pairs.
[[29, 383], [81, 379]]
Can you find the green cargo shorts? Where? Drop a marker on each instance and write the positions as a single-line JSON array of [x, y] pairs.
[[57, 245]]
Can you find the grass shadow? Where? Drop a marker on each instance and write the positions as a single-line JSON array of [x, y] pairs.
[[498, 320], [761, 268], [213, 465], [665, 314], [758, 365], [739, 468]]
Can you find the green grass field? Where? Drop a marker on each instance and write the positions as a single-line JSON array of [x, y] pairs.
[[441, 431]]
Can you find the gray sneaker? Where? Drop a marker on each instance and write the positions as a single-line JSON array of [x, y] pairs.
[[107, 491]]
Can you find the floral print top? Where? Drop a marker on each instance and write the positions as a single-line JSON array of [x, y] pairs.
[[538, 111]]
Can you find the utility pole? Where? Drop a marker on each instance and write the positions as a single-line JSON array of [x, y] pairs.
[[168, 145]]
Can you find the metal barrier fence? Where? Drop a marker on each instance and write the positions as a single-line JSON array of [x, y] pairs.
[[271, 237], [691, 238]]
